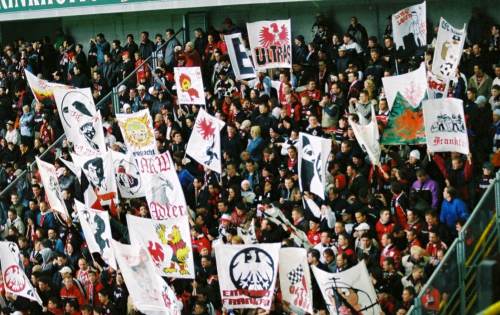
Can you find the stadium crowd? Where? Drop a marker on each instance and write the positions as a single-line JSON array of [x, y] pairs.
[[399, 218]]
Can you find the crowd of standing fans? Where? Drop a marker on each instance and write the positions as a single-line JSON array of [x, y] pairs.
[[399, 218]]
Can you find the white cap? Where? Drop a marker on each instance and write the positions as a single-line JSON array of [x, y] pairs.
[[362, 227], [122, 88], [415, 154], [141, 87], [151, 89], [125, 107], [65, 269]]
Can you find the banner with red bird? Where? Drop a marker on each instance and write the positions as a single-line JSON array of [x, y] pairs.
[[271, 44], [189, 85], [204, 143], [168, 243]]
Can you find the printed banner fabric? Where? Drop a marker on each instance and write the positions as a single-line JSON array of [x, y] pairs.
[[348, 292], [163, 190], [149, 292], [127, 175], [240, 61], [168, 242], [271, 44], [445, 129], [409, 27], [81, 122], [295, 280], [204, 143], [248, 234], [313, 158], [368, 137], [138, 133], [405, 124], [276, 215], [412, 86], [448, 51], [97, 231], [15, 280], [247, 274], [436, 86], [43, 90], [51, 186], [189, 85]]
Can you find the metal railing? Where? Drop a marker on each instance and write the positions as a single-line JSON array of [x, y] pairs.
[[452, 288]]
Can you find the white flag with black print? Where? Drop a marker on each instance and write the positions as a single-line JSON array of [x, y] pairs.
[[247, 274], [149, 292], [275, 215], [51, 187], [81, 121], [295, 280], [348, 292], [241, 62], [138, 133], [448, 51], [445, 128], [368, 137], [168, 242], [313, 158], [127, 175], [248, 234], [97, 231], [409, 27], [204, 143], [14, 279]]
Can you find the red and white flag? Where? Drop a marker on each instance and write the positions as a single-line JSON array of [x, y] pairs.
[[168, 242], [204, 143], [15, 280], [127, 175], [51, 186], [295, 280], [189, 85], [271, 44]]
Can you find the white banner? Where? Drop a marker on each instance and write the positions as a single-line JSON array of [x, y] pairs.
[[409, 27], [411, 85], [99, 172], [51, 187], [295, 280], [348, 292], [445, 129], [81, 122], [189, 85], [248, 235], [247, 274], [14, 279], [240, 61], [437, 88], [168, 242], [276, 216], [149, 292], [163, 190], [204, 143], [368, 137], [97, 231], [313, 158], [448, 51], [138, 133], [43, 90], [271, 44], [127, 175]]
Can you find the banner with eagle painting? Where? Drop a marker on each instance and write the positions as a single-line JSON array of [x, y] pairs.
[[295, 280], [247, 274], [348, 292], [189, 85], [51, 187], [204, 143], [138, 133], [97, 231], [270, 44], [168, 242], [313, 158]]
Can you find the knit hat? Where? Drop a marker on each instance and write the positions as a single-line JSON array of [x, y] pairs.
[[415, 154]]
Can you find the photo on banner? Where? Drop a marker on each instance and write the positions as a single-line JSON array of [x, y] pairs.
[[241, 62], [270, 44]]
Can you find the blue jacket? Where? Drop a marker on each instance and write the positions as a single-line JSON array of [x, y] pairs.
[[453, 210], [255, 147]]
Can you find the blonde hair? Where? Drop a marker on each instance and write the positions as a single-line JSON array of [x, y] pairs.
[[255, 131]]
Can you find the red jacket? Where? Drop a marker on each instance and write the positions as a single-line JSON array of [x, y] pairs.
[[73, 293], [391, 251], [382, 229], [313, 237]]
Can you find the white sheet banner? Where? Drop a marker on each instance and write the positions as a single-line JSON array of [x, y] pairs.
[[445, 129], [348, 292], [149, 292], [14, 279], [168, 242], [240, 61], [295, 280], [247, 274], [97, 231], [248, 235], [189, 85], [138, 133], [271, 44], [448, 51], [204, 143], [368, 137], [43, 90], [313, 158], [409, 27], [411, 85], [127, 175], [278, 217], [51, 187]]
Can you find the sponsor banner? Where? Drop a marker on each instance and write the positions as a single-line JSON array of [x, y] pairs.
[[271, 44]]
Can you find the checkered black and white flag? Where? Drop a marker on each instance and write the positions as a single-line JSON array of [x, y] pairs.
[[295, 275]]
